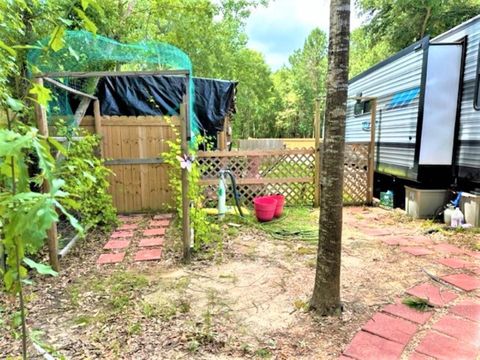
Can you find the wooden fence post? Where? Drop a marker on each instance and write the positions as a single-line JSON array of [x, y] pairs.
[[316, 130], [98, 124], [186, 234], [371, 151], [41, 117]]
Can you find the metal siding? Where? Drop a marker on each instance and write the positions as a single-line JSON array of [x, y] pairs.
[[396, 125], [468, 155]]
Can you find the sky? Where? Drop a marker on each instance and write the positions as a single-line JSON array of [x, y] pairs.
[[282, 27]]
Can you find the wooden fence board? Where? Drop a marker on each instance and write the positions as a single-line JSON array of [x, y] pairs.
[[132, 148]]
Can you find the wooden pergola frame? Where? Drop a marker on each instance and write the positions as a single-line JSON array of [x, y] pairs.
[[42, 124]]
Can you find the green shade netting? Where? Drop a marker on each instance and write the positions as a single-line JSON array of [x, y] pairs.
[[83, 51]]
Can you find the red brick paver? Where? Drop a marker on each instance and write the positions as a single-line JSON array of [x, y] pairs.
[[417, 356], [443, 347], [376, 232], [121, 234], [416, 251], [155, 241], [455, 263], [154, 232], [150, 254], [407, 240], [110, 258], [391, 328], [117, 244], [461, 329], [433, 294], [448, 249], [463, 281], [467, 309], [403, 311], [159, 223], [366, 346], [128, 227]]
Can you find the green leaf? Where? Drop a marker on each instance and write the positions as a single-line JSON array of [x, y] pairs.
[[57, 145], [87, 23], [57, 42], [40, 268], [85, 4], [43, 95], [73, 53], [7, 48], [14, 104]]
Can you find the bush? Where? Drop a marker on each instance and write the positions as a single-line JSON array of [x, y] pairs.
[[86, 182]]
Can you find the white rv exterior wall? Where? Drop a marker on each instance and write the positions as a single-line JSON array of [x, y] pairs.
[[396, 125], [468, 155]]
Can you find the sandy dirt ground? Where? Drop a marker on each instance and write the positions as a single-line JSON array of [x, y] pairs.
[[248, 300]]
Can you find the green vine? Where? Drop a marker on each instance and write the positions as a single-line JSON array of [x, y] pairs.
[[25, 215], [206, 232], [86, 180]]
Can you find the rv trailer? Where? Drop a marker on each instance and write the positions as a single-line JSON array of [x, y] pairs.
[[427, 129]]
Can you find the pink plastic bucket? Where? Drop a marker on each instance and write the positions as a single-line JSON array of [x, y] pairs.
[[280, 203], [265, 207]]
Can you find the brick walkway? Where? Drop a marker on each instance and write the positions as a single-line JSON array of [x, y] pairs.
[[450, 331], [139, 235]]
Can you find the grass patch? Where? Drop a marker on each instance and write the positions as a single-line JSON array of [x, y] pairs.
[[296, 223], [417, 303]]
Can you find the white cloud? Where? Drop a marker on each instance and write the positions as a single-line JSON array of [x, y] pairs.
[[281, 28]]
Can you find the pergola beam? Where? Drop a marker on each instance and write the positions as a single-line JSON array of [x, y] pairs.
[[111, 73]]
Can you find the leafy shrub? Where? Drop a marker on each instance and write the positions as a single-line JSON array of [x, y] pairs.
[[205, 231], [86, 181]]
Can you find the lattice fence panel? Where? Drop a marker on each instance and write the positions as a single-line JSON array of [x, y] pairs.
[[287, 172], [355, 181]]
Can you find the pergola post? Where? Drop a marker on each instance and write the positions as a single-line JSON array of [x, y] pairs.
[[316, 132], [371, 151], [185, 136], [41, 117]]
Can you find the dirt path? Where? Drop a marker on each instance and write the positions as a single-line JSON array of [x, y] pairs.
[[248, 301]]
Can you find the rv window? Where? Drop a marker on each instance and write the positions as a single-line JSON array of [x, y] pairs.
[[476, 98], [362, 107], [367, 105]]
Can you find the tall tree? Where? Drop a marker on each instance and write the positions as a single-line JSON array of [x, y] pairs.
[[326, 292], [402, 22]]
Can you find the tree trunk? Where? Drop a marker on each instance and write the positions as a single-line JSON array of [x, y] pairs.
[[326, 292]]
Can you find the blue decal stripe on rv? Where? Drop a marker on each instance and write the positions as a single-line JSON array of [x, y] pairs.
[[403, 98]]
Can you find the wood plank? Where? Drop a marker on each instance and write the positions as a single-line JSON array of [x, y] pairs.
[[69, 89], [208, 154], [52, 236], [86, 74], [185, 200], [256, 181]]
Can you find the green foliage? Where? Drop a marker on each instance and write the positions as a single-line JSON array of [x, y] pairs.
[[298, 85], [205, 232], [25, 216], [86, 180], [393, 25], [417, 303]]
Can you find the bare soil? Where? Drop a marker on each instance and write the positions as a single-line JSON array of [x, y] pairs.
[[247, 300]]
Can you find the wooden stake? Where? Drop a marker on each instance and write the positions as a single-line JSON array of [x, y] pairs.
[[316, 132], [98, 124], [184, 117], [371, 151], [41, 117]]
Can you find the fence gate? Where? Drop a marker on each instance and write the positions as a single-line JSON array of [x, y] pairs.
[[132, 148]]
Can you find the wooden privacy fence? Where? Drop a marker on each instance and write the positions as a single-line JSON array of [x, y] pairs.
[[291, 172], [132, 147]]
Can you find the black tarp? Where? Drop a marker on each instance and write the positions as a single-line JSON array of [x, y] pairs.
[[162, 95]]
